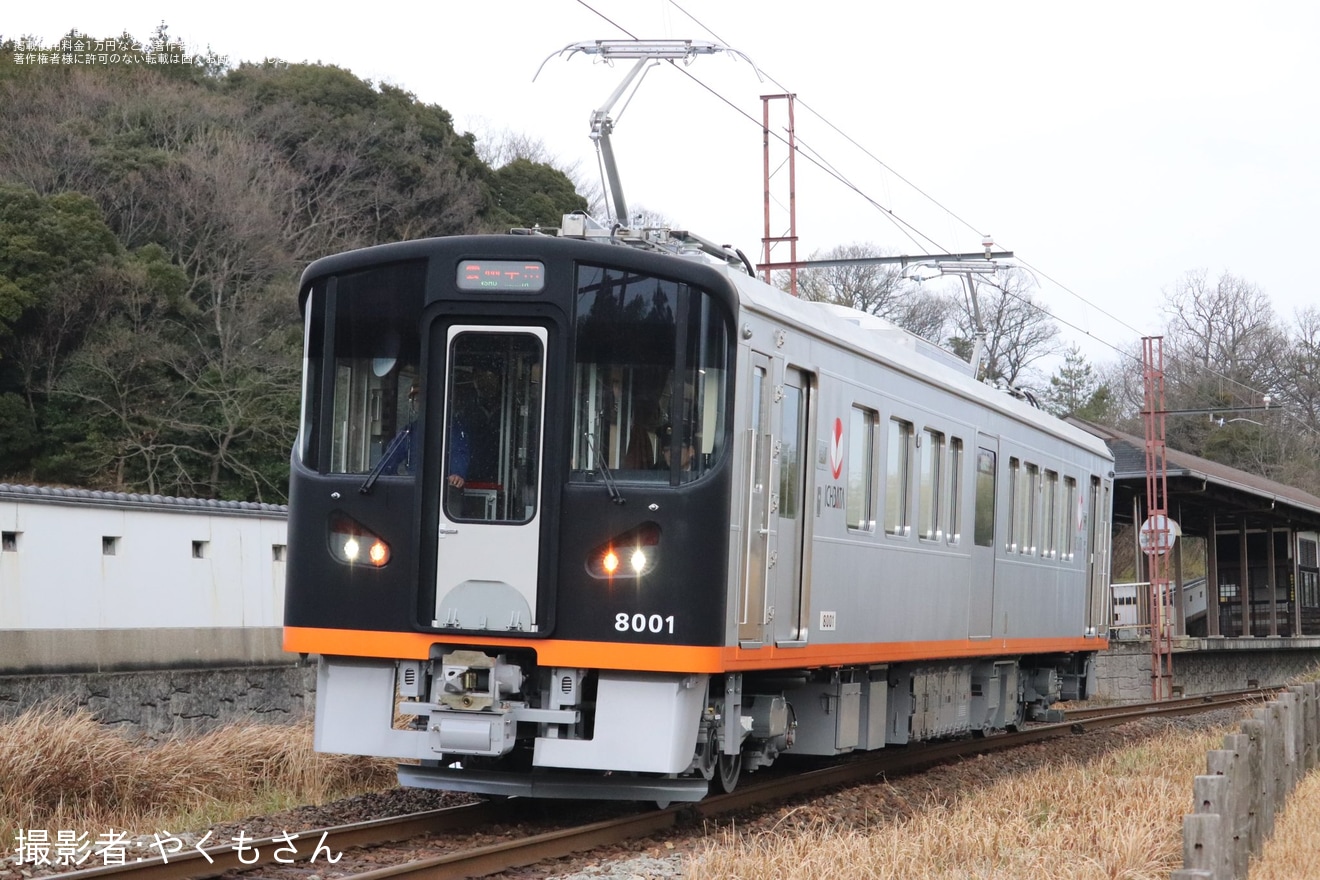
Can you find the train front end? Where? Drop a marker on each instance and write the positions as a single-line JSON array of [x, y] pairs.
[[509, 513]]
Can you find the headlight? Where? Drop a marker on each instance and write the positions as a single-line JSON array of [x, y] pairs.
[[353, 543], [633, 553]]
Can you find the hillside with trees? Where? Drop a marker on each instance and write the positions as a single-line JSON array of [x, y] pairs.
[[154, 220]]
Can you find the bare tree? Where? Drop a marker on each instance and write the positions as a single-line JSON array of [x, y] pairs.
[[876, 288], [1222, 338], [1301, 387], [1018, 330]]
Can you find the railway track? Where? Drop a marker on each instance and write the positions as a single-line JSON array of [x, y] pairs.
[[532, 848]]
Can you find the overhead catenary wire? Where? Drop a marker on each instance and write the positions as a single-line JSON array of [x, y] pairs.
[[908, 229]]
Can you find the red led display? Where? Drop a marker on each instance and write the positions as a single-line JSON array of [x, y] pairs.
[[524, 276]]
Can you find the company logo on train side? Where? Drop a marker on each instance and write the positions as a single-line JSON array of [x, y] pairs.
[[836, 449]]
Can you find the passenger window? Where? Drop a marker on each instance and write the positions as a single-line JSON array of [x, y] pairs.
[[929, 495], [954, 506], [861, 469], [1030, 491], [1066, 516], [1014, 505], [1049, 517], [898, 478]]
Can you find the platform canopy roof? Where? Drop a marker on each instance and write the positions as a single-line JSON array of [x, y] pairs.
[[1200, 489]]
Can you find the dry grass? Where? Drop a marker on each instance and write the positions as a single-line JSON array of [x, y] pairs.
[[1119, 816], [62, 769], [1291, 853]]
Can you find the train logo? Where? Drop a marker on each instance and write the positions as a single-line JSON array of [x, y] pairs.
[[836, 449]]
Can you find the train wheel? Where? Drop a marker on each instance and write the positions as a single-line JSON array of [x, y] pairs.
[[730, 768], [707, 761]]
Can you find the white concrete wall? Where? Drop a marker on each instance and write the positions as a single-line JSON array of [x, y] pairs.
[[55, 573], [67, 604]]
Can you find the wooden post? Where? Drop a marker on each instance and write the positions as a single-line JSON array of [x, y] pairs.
[[1191, 874], [1231, 763], [1262, 798], [1202, 846], [1212, 796], [1279, 758], [1288, 718], [1312, 713]]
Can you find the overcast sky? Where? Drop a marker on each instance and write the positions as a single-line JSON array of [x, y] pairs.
[[1112, 146]]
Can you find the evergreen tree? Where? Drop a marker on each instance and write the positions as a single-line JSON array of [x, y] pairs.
[[1076, 390]]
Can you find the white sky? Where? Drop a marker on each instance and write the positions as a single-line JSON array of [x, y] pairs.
[[1112, 146]]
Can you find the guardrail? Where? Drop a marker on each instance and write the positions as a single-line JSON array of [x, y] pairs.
[[1247, 783]]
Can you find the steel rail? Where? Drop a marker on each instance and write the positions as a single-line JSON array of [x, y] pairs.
[[494, 858], [509, 855], [215, 860]]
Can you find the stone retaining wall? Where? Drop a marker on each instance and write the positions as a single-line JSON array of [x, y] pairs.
[[164, 703], [1205, 666]]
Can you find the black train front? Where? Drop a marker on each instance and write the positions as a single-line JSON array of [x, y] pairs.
[[513, 590]]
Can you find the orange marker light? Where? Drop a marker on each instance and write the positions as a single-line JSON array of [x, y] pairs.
[[611, 562], [379, 553]]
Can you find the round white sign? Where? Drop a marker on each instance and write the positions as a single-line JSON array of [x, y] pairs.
[[1158, 534]]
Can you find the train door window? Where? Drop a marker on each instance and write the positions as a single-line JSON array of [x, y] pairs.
[[371, 330], [1049, 519], [9, 542], [953, 532], [1068, 530], [929, 496], [861, 469], [1014, 505], [983, 534], [650, 378], [1029, 498], [790, 456], [898, 478], [493, 426]]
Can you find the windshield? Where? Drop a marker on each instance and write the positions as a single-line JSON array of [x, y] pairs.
[[651, 364], [368, 353]]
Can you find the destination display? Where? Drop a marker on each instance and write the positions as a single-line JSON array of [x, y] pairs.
[[525, 276]]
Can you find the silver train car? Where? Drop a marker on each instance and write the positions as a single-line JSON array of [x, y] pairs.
[[572, 517]]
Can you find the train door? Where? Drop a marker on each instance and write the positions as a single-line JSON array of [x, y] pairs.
[[489, 523], [1097, 549], [758, 537], [981, 602], [787, 562]]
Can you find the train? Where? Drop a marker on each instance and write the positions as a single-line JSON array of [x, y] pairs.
[[597, 513]]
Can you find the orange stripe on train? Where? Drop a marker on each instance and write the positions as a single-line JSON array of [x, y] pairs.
[[672, 658]]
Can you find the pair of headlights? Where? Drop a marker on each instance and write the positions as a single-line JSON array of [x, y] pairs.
[[353, 543]]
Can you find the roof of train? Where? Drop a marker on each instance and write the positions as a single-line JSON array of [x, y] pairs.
[[133, 500], [865, 333], [904, 351]]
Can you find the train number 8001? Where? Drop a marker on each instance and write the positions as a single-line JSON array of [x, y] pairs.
[[640, 623]]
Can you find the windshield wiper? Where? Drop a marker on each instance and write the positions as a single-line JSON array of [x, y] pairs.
[[390, 457], [605, 474]]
